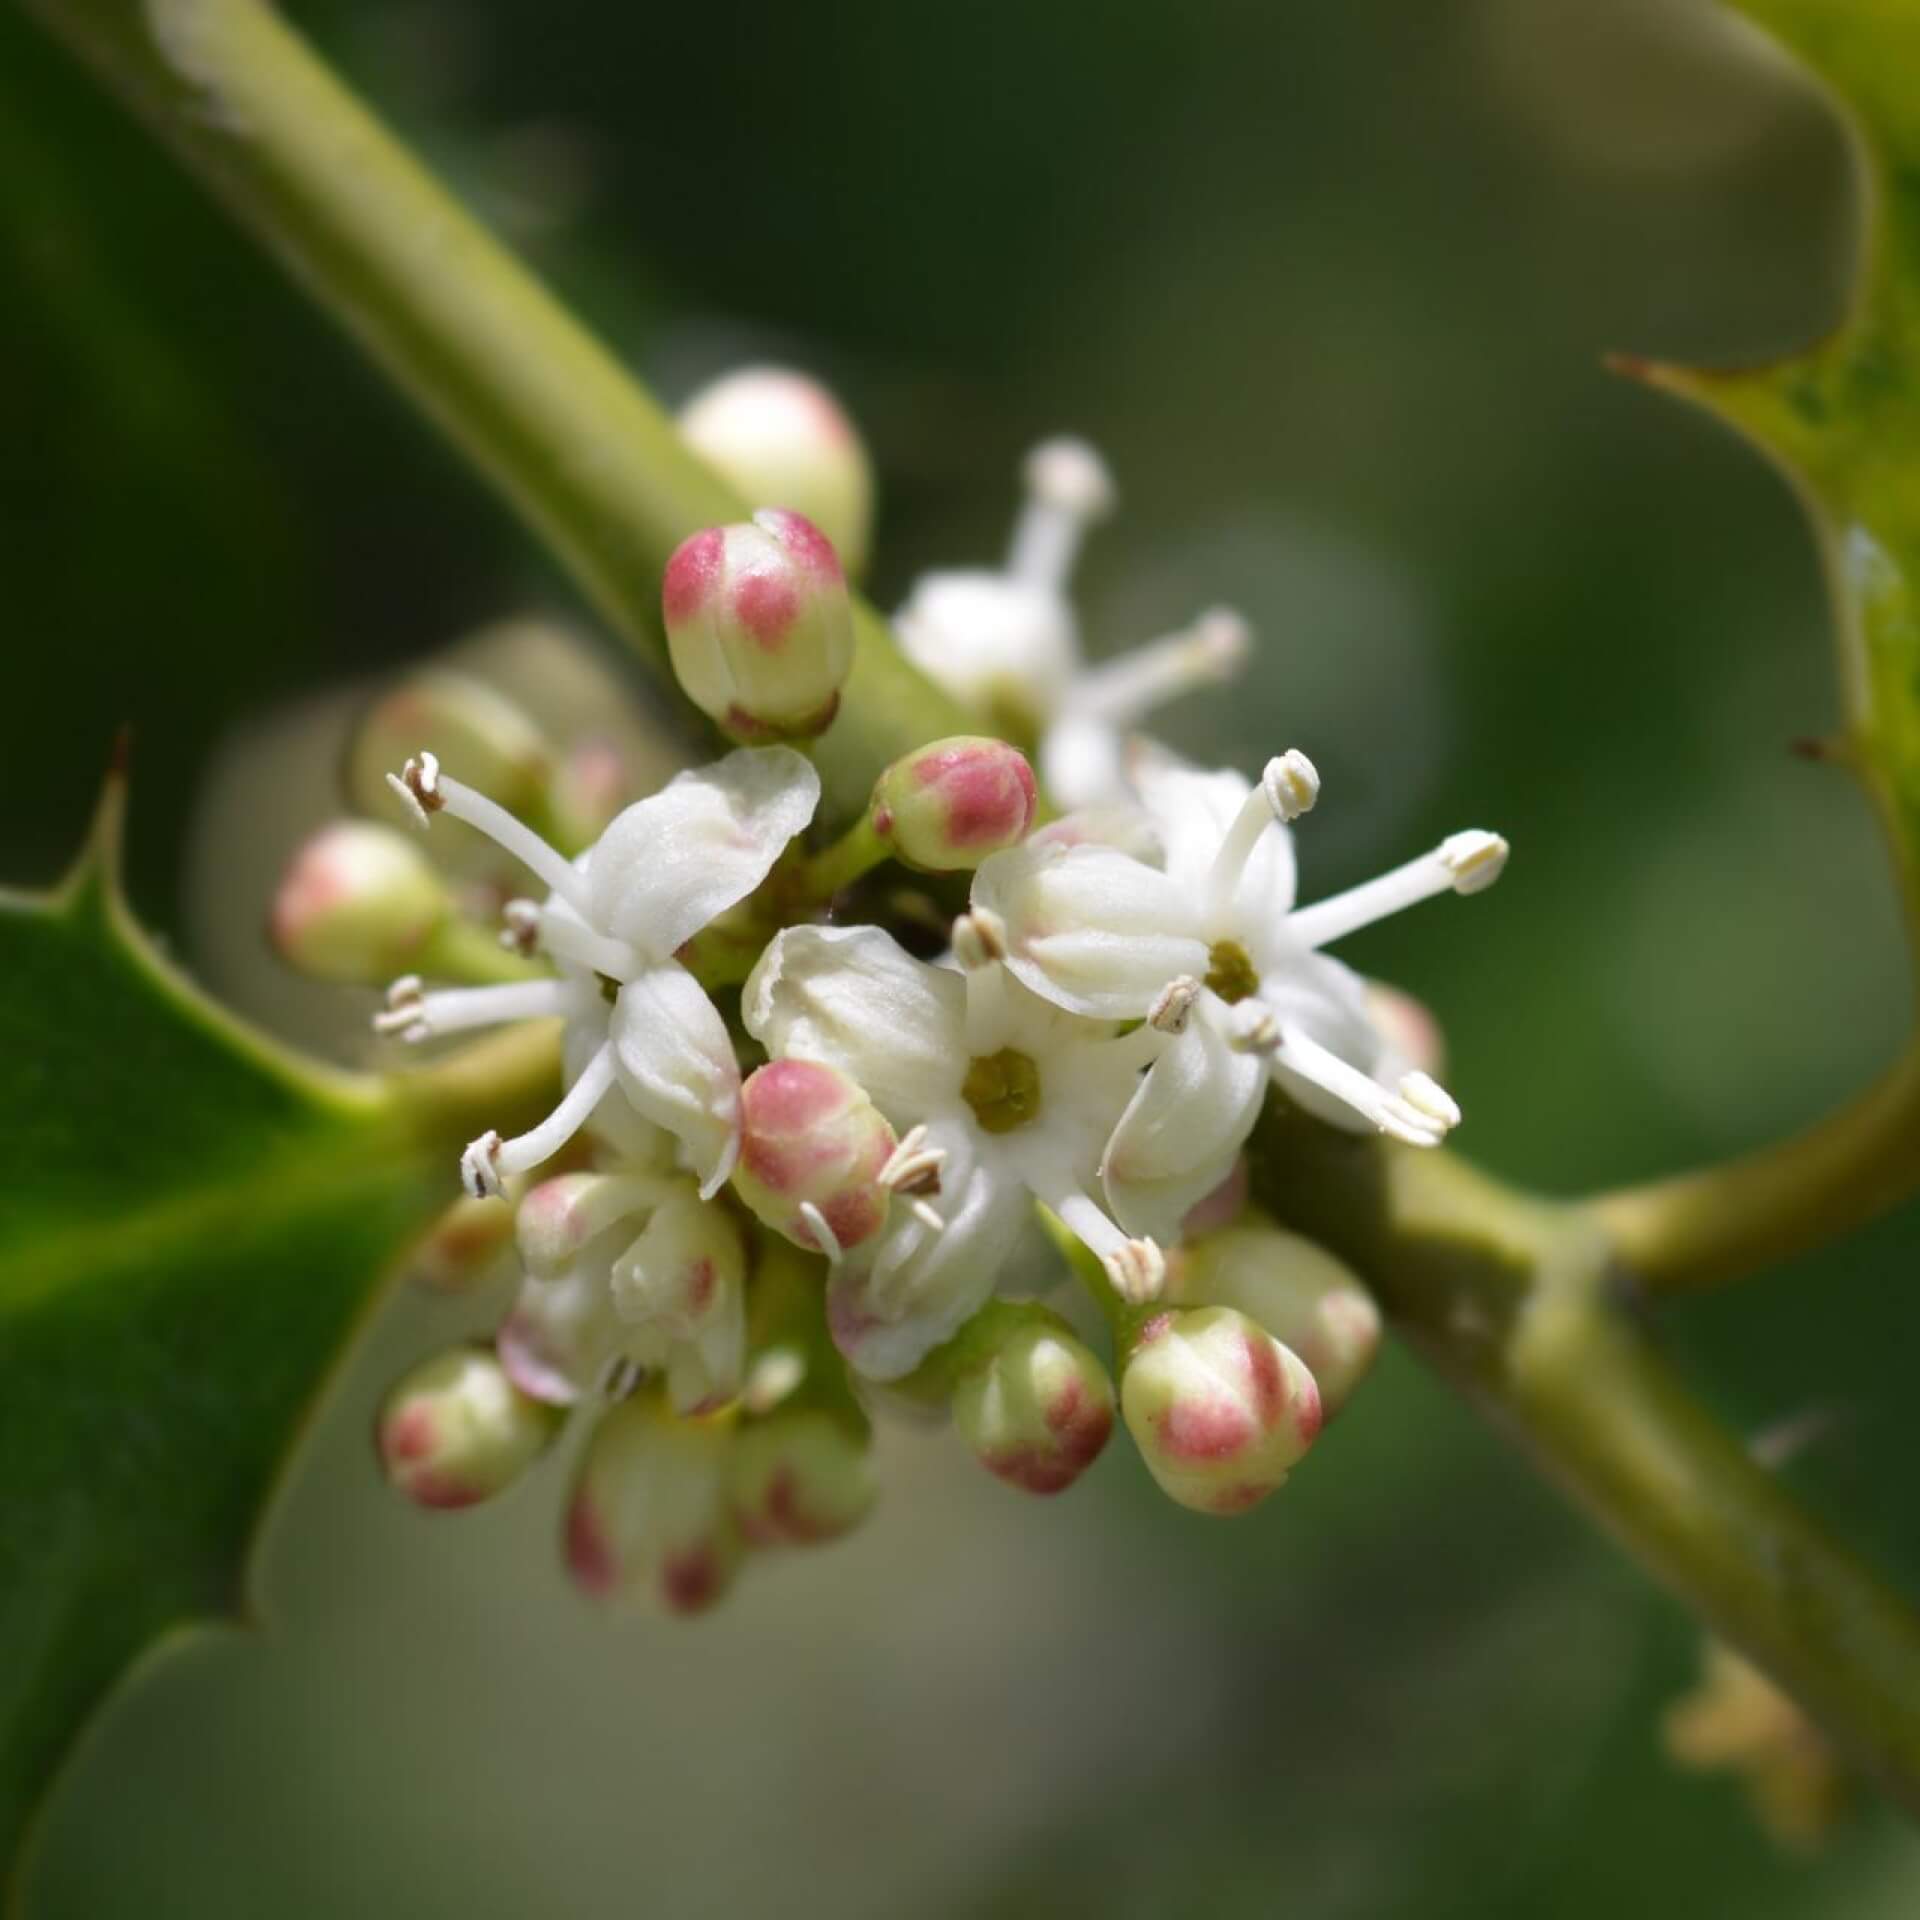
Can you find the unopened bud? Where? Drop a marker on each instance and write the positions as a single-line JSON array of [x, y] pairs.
[[946, 807], [1220, 1410], [1408, 1026], [473, 730], [800, 1478], [649, 1519], [776, 435], [456, 1431], [357, 904], [813, 1148], [1039, 1411], [680, 1293], [1296, 1290], [759, 625], [459, 1249], [590, 786]]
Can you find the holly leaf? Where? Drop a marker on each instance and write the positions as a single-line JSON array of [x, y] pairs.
[[195, 1219], [1843, 420]]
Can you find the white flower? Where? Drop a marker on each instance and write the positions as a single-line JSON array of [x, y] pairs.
[[627, 1271], [1017, 1097], [1007, 642], [1101, 934], [643, 1041]]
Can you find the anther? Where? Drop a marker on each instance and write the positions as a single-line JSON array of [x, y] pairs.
[[520, 926], [418, 784], [913, 1167], [1253, 1029], [1473, 859], [1425, 1095], [402, 1015], [1138, 1271], [1173, 1006], [979, 939], [479, 1168], [1291, 784]]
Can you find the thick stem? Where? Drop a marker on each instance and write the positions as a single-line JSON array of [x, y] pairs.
[[1721, 1223], [585, 457], [1513, 1300]]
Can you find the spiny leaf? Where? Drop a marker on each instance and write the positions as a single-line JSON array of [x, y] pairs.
[[193, 1219], [1843, 420]]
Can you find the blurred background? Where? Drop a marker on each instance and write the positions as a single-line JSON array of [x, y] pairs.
[[1331, 285]]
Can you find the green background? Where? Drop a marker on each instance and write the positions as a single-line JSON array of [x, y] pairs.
[[1331, 284]]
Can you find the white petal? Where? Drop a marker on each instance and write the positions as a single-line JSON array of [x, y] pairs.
[[991, 640], [1329, 1001], [671, 863], [890, 1308], [854, 998], [676, 1064], [1193, 811], [1177, 1139], [615, 1120], [1090, 929], [1080, 761]]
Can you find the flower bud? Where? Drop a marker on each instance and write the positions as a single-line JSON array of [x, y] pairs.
[[590, 786], [946, 807], [649, 1518], [759, 625], [1040, 1410], [776, 435], [1299, 1292], [800, 1478], [680, 1293], [1408, 1026], [357, 904], [811, 1139], [456, 1431], [1219, 1409], [459, 1249], [477, 733]]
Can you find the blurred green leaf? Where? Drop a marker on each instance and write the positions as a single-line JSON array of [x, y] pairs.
[[1844, 419], [194, 1220]]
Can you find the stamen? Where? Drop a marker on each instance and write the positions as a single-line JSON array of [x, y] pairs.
[[1138, 1272], [416, 1016], [1288, 787], [980, 945], [913, 1167], [428, 791], [1426, 1095], [1137, 1268], [928, 1215], [1122, 691], [567, 939], [1463, 863], [824, 1237], [520, 926], [542, 1142], [1173, 1006], [1393, 1114], [623, 1374], [1252, 1028], [480, 1167], [979, 939], [1068, 489]]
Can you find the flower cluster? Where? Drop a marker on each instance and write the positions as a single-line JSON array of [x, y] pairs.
[[797, 1160]]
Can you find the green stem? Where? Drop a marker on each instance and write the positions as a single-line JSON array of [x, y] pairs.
[[837, 866], [463, 950], [578, 449], [1514, 1301], [1701, 1229]]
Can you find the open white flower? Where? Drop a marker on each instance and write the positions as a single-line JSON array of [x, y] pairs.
[[1006, 641], [1101, 934], [627, 1271], [642, 1038], [1016, 1097]]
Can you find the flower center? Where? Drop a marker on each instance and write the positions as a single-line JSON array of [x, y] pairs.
[[1003, 1089], [1230, 973]]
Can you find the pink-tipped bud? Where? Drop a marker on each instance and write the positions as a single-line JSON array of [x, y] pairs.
[[777, 435], [456, 1431], [476, 733], [458, 1251], [680, 1293], [1040, 1411], [801, 1478], [1299, 1292], [946, 807], [812, 1150], [759, 625], [649, 1519], [1220, 1410], [357, 904], [590, 786]]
